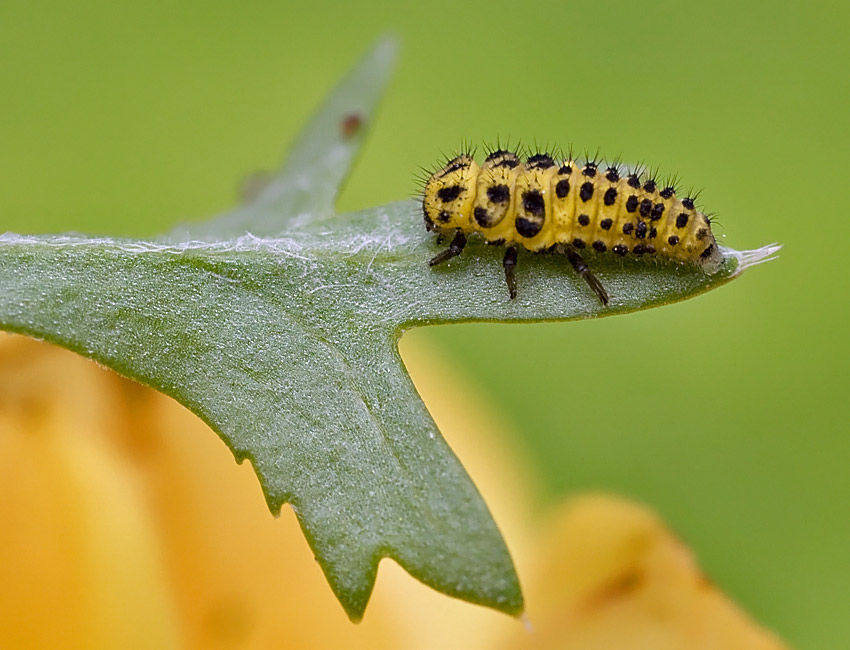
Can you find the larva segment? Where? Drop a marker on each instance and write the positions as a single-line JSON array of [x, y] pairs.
[[586, 206], [493, 207], [563, 198], [533, 204], [604, 235], [449, 195]]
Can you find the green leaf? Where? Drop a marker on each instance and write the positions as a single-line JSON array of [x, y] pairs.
[[278, 325]]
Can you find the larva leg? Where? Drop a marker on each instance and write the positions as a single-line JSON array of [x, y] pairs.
[[454, 249], [583, 271], [509, 262]]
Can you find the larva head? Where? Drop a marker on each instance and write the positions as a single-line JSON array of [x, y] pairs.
[[449, 192], [711, 258]]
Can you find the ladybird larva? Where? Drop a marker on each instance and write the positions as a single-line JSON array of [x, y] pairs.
[[566, 206]]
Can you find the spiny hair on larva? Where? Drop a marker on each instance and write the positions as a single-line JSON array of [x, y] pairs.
[[545, 201]]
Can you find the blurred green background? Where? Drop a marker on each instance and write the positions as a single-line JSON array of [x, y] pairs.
[[728, 413]]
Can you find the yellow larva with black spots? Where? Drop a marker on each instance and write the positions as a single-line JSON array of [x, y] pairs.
[[542, 205]]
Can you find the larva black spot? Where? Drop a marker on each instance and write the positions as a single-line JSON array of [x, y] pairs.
[[702, 233], [657, 211], [650, 249], [639, 249], [634, 181], [444, 216], [533, 203], [640, 231], [600, 246], [450, 193], [606, 224], [682, 220], [589, 170], [565, 169], [482, 217], [672, 240], [586, 191], [562, 188], [583, 220], [631, 203], [578, 243], [528, 228], [688, 203], [649, 186], [610, 196], [707, 252], [499, 193], [628, 228], [612, 174], [667, 192], [653, 232], [620, 249], [645, 207], [510, 163]]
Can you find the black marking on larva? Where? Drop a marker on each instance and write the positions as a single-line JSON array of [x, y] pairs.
[[639, 249], [499, 193], [682, 220], [495, 242], [497, 154], [645, 208], [631, 203], [620, 249], [586, 191], [610, 196], [510, 163], [533, 203], [650, 249], [453, 166], [540, 161], [688, 203], [606, 224], [673, 240], [527, 228], [634, 181], [565, 169], [583, 220], [444, 216], [589, 170], [649, 186], [612, 174], [640, 231], [562, 188], [657, 211], [653, 232], [600, 246], [482, 217], [578, 243], [702, 233], [450, 193], [667, 192], [628, 228], [707, 252]]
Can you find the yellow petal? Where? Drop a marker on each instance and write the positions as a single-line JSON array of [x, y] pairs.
[[611, 576], [80, 561]]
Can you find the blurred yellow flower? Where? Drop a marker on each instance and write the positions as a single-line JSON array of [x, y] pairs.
[[126, 524]]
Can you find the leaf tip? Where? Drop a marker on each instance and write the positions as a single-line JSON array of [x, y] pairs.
[[750, 258]]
